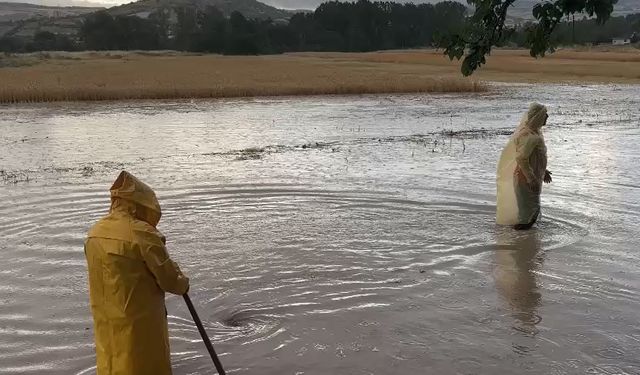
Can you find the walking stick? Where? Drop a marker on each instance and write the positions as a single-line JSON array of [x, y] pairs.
[[204, 335]]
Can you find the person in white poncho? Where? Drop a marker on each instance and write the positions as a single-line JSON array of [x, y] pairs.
[[521, 171]]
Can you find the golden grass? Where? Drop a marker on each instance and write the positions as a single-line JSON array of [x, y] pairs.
[[565, 66], [121, 76], [138, 76]]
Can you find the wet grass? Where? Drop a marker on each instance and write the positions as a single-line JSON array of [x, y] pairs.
[[251, 154], [12, 178]]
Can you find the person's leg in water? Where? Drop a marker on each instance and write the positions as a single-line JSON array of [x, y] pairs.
[[529, 225], [526, 201]]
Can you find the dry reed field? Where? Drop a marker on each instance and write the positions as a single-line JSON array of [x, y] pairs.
[[120, 76], [130, 75], [620, 65]]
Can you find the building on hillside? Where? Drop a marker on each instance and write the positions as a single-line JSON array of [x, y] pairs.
[[621, 41]]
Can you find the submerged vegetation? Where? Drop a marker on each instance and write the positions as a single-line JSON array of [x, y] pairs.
[[13, 177]]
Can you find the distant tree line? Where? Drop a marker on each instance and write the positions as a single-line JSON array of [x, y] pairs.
[[333, 26], [584, 31], [41, 41]]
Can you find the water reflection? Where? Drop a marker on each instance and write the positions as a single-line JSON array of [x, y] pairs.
[[517, 258]]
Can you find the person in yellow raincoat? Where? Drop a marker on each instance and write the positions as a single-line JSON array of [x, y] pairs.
[[129, 273], [521, 170]]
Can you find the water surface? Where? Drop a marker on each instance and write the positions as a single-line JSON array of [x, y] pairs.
[[336, 235]]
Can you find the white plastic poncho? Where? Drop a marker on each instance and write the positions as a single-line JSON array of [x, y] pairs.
[[521, 170]]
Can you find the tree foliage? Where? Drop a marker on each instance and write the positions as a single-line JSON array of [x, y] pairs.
[[486, 27], [101, 31]]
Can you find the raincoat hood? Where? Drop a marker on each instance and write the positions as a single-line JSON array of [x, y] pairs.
[[536, 117], [130, 194]]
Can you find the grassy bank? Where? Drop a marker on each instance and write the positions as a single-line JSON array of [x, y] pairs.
[[120, 76]]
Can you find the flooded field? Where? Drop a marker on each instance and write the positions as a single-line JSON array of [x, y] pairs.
[[336, 235]]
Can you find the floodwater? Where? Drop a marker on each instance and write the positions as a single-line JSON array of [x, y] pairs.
[[336, 235]]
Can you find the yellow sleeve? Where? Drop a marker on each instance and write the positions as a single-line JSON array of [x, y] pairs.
[[166, 271], [524, 150]]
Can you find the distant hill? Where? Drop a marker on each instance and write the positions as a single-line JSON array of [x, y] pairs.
[[24, 20], [23, 11], [69, 3], [249, 8], [313, 4], [625, 7]]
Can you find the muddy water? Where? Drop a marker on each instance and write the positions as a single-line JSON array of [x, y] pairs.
[[336, 235]]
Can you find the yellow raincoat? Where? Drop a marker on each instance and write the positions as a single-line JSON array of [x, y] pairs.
[[129, 273], [521, 170]]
